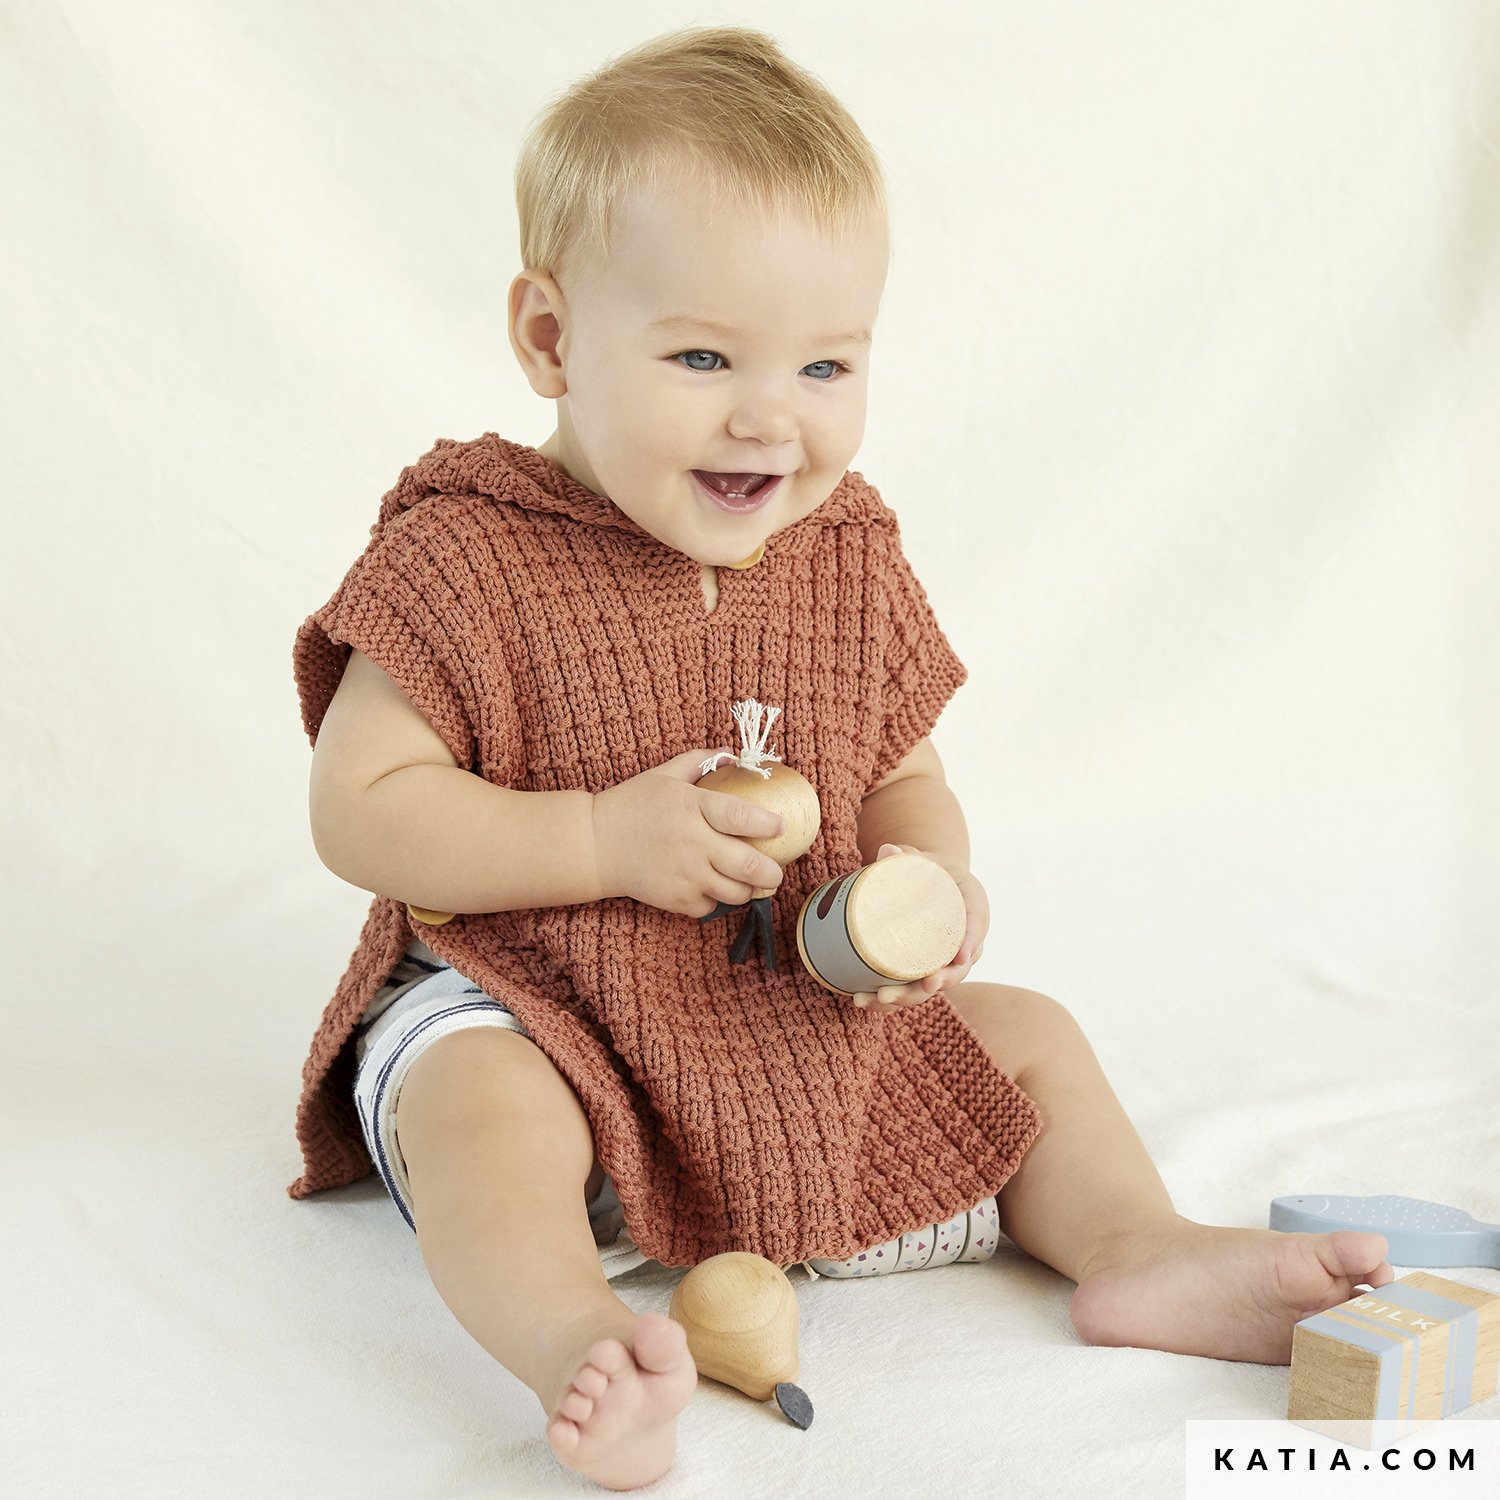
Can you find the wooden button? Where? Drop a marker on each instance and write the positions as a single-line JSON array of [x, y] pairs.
[[750, 561]]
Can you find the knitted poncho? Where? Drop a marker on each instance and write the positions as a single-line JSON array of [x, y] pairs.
[[556, 645]]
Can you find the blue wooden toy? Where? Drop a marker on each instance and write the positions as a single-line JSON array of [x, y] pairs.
[[1418, 1233]]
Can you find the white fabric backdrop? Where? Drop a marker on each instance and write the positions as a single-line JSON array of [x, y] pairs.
[[1185, 390]]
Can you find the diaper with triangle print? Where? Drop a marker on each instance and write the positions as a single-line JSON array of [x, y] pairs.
[[971, 1235]]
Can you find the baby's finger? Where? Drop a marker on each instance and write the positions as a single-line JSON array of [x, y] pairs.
[[947, 979], [736, 860], [958, 970], [739, 817]]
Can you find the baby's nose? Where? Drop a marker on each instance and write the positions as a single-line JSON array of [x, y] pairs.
[[765, 419]]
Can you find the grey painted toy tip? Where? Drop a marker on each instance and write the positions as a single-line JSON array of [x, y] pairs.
[[792, 1400]]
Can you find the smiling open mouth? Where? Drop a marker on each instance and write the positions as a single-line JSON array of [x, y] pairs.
[[736, 486], [737, 492]]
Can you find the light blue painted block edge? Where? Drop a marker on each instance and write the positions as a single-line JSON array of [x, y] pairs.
[[1463, 1337], [1386, 1350]]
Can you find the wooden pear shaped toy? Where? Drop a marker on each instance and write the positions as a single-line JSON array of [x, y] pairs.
[[757, 775], [740, 1315]]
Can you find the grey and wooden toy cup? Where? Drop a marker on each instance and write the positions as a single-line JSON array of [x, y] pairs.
[[890, 922]]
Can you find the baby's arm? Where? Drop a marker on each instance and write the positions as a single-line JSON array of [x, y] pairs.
[[915, 805], [393, 813]]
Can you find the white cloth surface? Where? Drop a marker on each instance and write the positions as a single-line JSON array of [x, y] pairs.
[[1184, 389]]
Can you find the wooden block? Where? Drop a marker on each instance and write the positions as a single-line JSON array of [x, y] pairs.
[[1419, 1349]]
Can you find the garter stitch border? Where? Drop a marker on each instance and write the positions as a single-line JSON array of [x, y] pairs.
[[554, 644]]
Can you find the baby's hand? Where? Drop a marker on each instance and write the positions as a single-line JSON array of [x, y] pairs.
[[660, 839], [976, 925]]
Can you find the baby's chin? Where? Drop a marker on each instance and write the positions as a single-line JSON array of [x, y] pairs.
[[747, 562], [736, 551], [717, 557], [740, 553], [720, 544], [720, 557]]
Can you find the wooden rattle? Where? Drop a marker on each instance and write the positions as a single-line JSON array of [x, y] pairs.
[[890, 922], [757, 775], [740, 1315]]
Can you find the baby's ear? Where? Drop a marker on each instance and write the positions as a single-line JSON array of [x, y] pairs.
[[535, 332]]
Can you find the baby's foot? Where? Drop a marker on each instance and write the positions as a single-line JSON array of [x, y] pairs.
[[1225, 1293], [617, 1422]]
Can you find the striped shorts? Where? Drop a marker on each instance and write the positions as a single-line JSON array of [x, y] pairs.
[[423, 1001]]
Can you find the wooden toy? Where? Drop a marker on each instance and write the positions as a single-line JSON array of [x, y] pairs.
[[1418, 1233], [1381, 1364], [758, 775], [890, 922], [740, 1315]]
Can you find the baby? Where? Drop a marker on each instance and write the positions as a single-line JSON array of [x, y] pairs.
[[511, 698]]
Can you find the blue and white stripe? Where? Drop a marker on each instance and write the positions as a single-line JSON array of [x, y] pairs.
[[424, 1000], [1390, 1341]]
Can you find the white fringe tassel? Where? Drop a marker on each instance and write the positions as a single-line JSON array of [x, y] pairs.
[[755, 721]]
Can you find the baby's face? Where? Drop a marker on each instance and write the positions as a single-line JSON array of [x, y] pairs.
[[715, 340]]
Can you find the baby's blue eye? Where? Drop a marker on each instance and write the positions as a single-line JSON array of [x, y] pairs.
[[705, 354], [831, 365]]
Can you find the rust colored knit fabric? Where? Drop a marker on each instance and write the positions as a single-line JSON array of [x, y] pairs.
[[555, 645]]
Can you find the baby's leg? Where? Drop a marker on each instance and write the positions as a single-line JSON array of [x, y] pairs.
[[499, 1152], [1088, 1201]]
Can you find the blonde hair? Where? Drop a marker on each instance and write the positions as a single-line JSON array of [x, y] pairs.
[[724, 103]]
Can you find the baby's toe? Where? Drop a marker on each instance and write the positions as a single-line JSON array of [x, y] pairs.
[[563, 1435], [591, 1381], [1359, 1255], [660, 1343], [610, 1357], [575, 1406]]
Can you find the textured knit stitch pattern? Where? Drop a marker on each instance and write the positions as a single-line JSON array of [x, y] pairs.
[[556, 645]]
